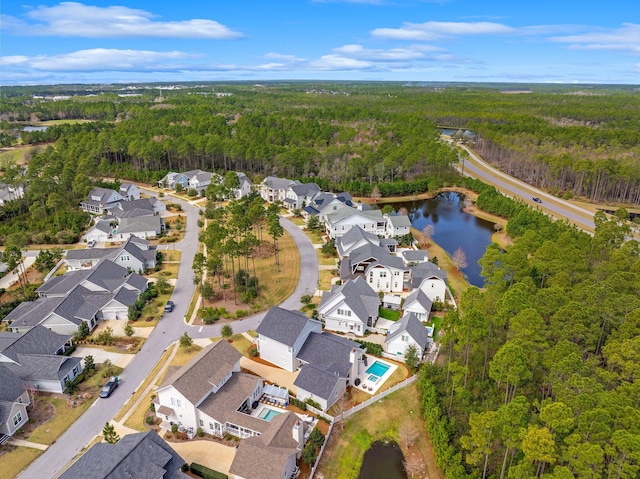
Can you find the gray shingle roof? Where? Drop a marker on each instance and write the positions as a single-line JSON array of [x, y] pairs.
[[89, 253], [30, 313], [283, 325], [400, 220], [415, 255], [352, 237], [11, 386], [205, 370], [140, 224], [317, 381], [132, 213], [276, 183], [43, 367], [343, 213], [380, 253], [411, 324], [306, 189], [420, 297], [424, 270], [141, 456], [328, 352], [358, 295], [38, 340]]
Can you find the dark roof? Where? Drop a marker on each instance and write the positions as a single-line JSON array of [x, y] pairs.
[[420, 297], [11, 386], [356, 294], [43, 367], [415, 255], [89, 253], [205, 370], [412, 325], [328, 359], [424, 270], [380, 253], [38, 340], [305, 189], [283, 325], [141, 456]]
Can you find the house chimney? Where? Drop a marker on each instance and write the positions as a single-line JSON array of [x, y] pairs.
[[298, 433]]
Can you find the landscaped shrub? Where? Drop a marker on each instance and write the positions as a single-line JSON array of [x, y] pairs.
[[313, 403], [316, 438], [372, 348], [205, 472], [298, 403], [199, 432], [150, 420], [174, 428], [253, 352]]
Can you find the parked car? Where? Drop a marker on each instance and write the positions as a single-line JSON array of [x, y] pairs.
[[91, 243], [169, 307], [536, 199], [108, 388]]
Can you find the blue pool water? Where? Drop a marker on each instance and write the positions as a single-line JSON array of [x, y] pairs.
[[378, 369], [268, 414]]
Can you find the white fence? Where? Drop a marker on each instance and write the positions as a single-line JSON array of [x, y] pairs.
[[359, 407], [324, 444]]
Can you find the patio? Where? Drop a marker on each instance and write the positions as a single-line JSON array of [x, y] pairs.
[[369, 380]]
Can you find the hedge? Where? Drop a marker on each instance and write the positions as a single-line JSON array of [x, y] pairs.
[[205, 472]]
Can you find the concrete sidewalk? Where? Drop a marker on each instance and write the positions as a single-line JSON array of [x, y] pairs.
[[10, 278]]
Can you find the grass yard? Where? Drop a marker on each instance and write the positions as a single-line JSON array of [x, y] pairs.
[[19, 155], [136, 420], [325, 280], [326, 260], [241, 343], [171, 255], [380, 421], [15, 461], [153, 309], [390, 314], [315, 236], [277, 285], [297, 220], [252, 333]]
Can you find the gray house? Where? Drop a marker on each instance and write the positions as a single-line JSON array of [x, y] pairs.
[[14, 399], [144, 454], [136, 254]]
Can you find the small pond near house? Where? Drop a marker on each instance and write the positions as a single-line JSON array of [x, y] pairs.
[[383, 460], [452, 228]]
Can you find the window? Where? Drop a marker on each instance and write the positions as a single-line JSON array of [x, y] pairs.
[[211, 426], [178, 403], [344, 312], [396, 273], [173, 401], [124, 257], [17, 419], [383, 274], [405, 338], [201, 422]]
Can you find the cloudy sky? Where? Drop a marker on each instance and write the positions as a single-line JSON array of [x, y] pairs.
[[570, 41]]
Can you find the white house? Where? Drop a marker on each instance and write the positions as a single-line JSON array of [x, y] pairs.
[[432, 281], [397, 225], [274, 189], [351, 307], [407, 331], [10, 192], [202, 179], [419, 304], [341, 221], [101, 231], [146, 227], [281, 335], [129, 191], [298, 196], [325, 203], [245, 186], [356, 237], [412, 257], [383, 272]]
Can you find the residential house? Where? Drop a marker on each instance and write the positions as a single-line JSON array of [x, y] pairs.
[[357, 237], [397, 226], [419, 304], [281, 335], [385, 273], [331, 363], [211, 393], [351, 307], [172, 179], [341, 221], [273, 454], [298, 196], [143, 454], [392, 301], [104, 292], [36, 357], [405, 332], [412, 257], [129, 191], [100, 200], [274, 189], [135, 254], [102, 230], [146, 227], [134, 209], [245, 187], [432, 281], [14, 399], [324, 203], [10, 192], [202, 179]]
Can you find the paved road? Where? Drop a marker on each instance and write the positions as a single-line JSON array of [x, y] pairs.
[[168, 330], [476, 167]]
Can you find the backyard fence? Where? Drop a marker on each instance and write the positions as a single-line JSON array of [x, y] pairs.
[[324, 444], [375, 398]]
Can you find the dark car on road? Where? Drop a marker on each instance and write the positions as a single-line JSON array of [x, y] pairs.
[[536, 199], [169, 307], [108, 388]]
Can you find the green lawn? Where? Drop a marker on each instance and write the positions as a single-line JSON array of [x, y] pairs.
[[15, 461], [241, 343], [389, 314]]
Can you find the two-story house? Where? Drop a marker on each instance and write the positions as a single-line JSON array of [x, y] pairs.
[[351, 307], [383, 272], [100, 200], [341, 221]]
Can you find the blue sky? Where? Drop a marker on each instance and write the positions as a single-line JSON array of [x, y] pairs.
[[44, 42]]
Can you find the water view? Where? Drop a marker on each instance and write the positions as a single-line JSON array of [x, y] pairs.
[[452, 229], [383, 460]]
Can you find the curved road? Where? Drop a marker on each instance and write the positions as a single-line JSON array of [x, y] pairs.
[[560, 209], [167, 331]]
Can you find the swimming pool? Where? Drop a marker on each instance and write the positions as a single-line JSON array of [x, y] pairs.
[[268, 414], [378, 369]]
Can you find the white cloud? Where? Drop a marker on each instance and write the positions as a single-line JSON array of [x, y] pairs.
[[624, 39], [430, 31], [72, 19], [101, 59], [379, 55], [340, 63]]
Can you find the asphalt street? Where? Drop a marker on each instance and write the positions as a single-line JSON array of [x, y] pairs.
[[167, 331]]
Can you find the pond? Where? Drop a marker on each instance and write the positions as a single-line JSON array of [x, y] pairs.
[[452, 229], [35, 128], [383, 460]]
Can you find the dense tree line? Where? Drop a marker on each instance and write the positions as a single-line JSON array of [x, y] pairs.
[[541, 365]]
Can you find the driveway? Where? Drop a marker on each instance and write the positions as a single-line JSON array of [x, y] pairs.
[[211, 454], [100, 356]]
